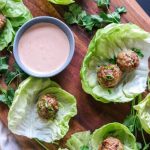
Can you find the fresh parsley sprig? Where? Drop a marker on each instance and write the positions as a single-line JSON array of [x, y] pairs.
[[133, 123], [76, 15], [7, 95]]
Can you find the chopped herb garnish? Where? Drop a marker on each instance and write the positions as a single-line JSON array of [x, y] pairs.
[[103, 3], [112, 60], [109, 77], [138, 51], [109, 91]]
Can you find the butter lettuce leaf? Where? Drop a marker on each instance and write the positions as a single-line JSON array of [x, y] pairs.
[[6, 35], [116, 130], [105, 45], [79, 140], [62, 2], [17, 14], [143, 112], [23, 118]]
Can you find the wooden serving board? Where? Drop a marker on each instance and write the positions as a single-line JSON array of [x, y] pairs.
[[91, 114]]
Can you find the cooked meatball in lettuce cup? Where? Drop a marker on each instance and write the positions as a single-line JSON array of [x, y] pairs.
[[116, 62], [41, 109], [113, 136]]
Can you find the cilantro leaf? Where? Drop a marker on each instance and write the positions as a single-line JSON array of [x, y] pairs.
[[76, 15], [84, 147], [130, 122], [7, 96], [11, 75], [138, 51], [112, 60], [3, 64], [139, 145], [146, 147], [121, 10], [103, 3]]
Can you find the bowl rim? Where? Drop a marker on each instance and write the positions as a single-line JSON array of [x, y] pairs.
[[32, 22]]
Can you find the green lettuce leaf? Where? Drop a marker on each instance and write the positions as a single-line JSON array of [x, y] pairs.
[[62, 2], [143, 112], [105, 45], [23, 118], [6, 36], [79, 140], [115, 130], [17, 14]]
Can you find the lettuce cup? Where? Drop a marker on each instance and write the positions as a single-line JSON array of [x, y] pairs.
[[116, 62], [42, 110], [114, 136]]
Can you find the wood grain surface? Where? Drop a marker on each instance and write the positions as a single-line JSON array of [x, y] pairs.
[[91, 114]]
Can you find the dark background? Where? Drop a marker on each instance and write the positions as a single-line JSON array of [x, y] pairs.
[[145, 5]]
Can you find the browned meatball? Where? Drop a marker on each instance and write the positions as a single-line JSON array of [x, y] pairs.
[[2, 21], [47, 106], [109, 75], [111, 143], [127, 60]]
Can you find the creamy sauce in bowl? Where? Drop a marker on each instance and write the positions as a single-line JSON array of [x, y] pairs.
[[43, 48]]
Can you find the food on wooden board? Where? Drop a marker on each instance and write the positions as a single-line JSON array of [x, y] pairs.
[[143, 113], [112, 136], [109, 75], [26, 116], [125, 45], [2, 21], [111, 143], [47, 106], [62, 2], [16, 14], [127, 60]]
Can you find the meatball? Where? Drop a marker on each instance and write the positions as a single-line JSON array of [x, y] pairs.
[[47, 106], [127, 60], [109, 75], [111, 143], [2, 21]]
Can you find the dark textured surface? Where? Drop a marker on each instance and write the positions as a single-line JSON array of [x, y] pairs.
[[145, 4]]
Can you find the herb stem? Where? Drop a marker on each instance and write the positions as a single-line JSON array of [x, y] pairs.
[[40, 143], [143, 137], [13, 78]]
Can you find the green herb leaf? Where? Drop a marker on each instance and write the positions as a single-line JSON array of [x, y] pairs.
[[110, 18], [139, 145], [11, 75], [7, 96], [121, 10], [112, 60], [130, 122], [3, 64], [146, 147], [138, 51], [103, 3], [84, 147]]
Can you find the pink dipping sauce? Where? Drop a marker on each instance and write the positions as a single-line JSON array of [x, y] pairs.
[[43, 48]]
